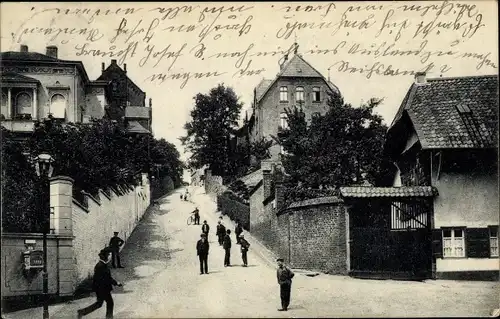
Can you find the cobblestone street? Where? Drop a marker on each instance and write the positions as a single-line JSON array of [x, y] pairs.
[[162, 279]]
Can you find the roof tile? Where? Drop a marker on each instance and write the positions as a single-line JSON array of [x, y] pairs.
[[368, 191]]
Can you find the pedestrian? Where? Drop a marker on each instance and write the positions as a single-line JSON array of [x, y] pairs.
[[115, 243], [202, 248], [205, 228], [196, 216], [244, 249], [285, 276], [221, 232], [237, 231], [227, 248], [102, 285]]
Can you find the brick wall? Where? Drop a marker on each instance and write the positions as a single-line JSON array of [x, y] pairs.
[[94, 226]]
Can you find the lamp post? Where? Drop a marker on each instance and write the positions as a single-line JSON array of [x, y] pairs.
[[44, 169]]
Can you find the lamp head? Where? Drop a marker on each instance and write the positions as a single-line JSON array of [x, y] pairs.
[[43, 165]]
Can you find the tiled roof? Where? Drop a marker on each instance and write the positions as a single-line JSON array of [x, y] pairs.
[[136, 127], [14, 77], [261, 88], [137, 112], [27, 56], [406, 191], [298, 67], [434, 109]]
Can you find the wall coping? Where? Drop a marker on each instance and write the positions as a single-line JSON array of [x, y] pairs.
[[77, 203], [61, 178], [98, 202], [319, 201], [35, 235]]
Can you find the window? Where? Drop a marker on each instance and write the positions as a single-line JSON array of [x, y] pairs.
[[5, 105], [453, 243], [58, 106], [316, 94], [283, 94], [299, 93], [283, 121], [23, 103], [493, 241]]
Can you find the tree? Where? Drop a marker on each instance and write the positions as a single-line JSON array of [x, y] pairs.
[[214, 121], [342, 147]]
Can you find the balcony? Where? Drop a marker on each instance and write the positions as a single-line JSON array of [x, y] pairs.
[[21, 123]]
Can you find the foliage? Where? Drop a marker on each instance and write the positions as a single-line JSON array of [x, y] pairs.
[[214, 120], [342, 147], [241, 190], [97, 156], [297, 194]]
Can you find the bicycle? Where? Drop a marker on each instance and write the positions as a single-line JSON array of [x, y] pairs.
[[190, 219]]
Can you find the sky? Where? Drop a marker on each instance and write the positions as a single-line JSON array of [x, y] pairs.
[[175, 50]]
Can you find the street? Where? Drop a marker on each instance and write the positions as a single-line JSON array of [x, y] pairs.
[[162, 279]]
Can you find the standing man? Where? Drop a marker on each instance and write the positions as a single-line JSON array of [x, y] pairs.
[[196, 216], [237, 231], [202, 248], [244, 249], [205, 228], [285, 276], [221, 232], [227, 248], [115, 243], [102, 285]]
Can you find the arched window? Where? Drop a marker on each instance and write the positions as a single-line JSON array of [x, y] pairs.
[[58, 106], [24, 103], [5, 105], [283, 120], [283, 94], [299, 93]]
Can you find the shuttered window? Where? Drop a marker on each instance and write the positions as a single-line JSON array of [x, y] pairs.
[[437, 243], [478, 242], [453, 242]]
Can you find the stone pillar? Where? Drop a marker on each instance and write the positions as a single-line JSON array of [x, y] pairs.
[[280, 196], [266, 183], [9, 103], [34, 114], [61, 202]]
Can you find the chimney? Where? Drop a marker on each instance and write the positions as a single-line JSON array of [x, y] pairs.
[[103, 67], [420, 78], [24, 48], [125, 67], [113, 61], [51, 51], [150, 102]]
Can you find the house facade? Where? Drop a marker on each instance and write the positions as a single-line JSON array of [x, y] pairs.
[[297, 84], [445, 136], [35, 85]]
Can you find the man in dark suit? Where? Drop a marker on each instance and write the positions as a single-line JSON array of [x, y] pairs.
[[221, 232], [284, 275], [196, 216], [115, 243], [237, 231], [227, 248], [102, 285], [202, 248], [205, 228]]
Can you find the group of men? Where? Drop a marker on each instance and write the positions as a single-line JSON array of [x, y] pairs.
[[224, 239]]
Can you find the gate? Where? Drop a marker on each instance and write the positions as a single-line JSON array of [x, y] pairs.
[[391, 239]]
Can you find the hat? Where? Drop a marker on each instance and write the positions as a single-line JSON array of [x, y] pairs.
[[203, 235], [115, 232], [280, 259]]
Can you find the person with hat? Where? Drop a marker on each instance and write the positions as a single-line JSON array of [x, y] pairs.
[[115, 243], [202, 248], [205, 228], [196, 213], [227, 248], [102, 285], [237, 231], [285, 276], [221, 232], [244, 249]]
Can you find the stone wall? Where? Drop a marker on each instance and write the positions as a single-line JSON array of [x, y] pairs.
[[234, 209], [213, 184]]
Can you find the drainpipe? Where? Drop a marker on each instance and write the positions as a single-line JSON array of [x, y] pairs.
[[289, 241]]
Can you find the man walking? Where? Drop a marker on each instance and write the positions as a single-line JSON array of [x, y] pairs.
[[244, 249], [205, 228], [227, 248], [237, 231], [102, 285], [115, 243], [285, 276], [202, 248], [221, 232]]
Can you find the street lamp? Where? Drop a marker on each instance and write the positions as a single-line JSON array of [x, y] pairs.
[[44, 169]]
